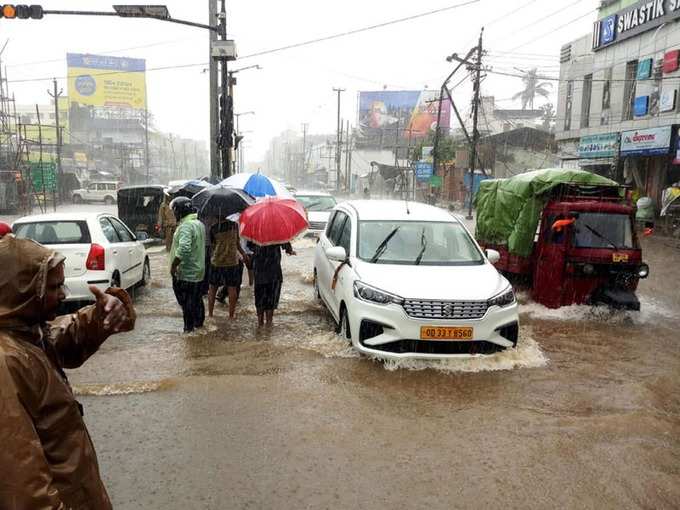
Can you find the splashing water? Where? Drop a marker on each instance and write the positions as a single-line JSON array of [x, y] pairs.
[[127, 388]]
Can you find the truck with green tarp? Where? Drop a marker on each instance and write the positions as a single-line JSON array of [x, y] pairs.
[[569, 233]]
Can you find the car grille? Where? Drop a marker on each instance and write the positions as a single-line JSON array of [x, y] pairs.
[[424, 309], [317, 225], [439, 348]]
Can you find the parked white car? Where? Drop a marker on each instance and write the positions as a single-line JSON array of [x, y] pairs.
[[96, 192], [99, 249], [413, 283], [318, 205]]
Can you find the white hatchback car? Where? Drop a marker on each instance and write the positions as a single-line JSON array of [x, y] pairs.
[[407, 280], [318, 205], [99, 249]]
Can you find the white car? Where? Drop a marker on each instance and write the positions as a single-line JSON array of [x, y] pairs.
[[413, 283], [99, 249], [318, 205], [96, 192]]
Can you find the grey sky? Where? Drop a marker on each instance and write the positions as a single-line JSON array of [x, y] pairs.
[[295, 86]]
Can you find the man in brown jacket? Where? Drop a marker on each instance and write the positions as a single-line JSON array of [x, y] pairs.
[[47, 459], [166, 222]]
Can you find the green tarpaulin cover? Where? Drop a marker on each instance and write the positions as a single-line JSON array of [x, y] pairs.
[[508, 210]]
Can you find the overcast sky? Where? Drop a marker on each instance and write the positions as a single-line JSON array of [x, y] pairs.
[[295, 86]]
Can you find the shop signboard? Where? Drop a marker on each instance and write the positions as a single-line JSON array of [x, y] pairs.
[[644, 69], [646, 142], [632, 20], [671, 61], [436, 181], [427, 154], [667, 99], [598, 146], [423, 171], [676, 160], [641, 106]]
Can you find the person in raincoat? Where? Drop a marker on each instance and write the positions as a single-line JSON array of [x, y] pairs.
[[47, 458], [187, 263], [166, 222]]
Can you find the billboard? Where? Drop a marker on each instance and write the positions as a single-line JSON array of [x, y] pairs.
[[389, 116], [104, 81]]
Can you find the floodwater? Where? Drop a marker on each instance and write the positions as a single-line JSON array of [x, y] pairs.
[[585, 413]]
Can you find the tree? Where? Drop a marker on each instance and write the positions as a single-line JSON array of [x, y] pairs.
[[532, 88], [548, 116]]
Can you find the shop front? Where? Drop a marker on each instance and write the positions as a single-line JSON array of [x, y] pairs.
[[648, 162], [599, 154]]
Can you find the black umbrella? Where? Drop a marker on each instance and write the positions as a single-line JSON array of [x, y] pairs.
[[188, 189], [221, 201]]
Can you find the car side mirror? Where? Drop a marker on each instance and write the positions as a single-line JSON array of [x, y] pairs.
[[141, 236], [493, 256], [336, 253]]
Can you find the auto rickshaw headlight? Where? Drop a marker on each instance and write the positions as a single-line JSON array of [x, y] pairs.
[[588, 269], [643, 270]]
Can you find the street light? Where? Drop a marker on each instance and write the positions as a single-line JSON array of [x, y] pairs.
[[142, 11]]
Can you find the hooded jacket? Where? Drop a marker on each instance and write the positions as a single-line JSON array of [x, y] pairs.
[[47, 458]]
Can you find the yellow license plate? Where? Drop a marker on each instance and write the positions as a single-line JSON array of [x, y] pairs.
[[445, 333]]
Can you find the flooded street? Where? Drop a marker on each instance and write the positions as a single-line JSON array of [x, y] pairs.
[[585, 413]]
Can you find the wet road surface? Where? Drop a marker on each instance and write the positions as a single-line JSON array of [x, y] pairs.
[[585, 413]]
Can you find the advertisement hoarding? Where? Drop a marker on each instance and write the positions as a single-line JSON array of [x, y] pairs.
[[386, 116], [98, 80], [424, 171]]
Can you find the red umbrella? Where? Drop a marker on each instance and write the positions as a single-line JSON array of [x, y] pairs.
[[273, 221]]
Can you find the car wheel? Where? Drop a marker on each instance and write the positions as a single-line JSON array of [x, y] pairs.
[[146, 273], [108, 200], [345, 331], [115, 281], [77, 199]]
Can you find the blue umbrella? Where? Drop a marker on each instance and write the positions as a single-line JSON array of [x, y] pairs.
[[257, 185]]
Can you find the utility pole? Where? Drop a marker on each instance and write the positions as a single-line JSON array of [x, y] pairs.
[[214, 96], [338, 154], [227, 111], [475, 118], [348, 159], [55, 95]]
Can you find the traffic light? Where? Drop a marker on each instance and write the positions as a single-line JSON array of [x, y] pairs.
[[11, 11]]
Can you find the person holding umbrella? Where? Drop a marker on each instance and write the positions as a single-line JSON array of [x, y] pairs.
[[270, 225], [225, 268], [268, 279]]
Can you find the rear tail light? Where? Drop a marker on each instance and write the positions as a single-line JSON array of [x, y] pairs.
[[96, 258]]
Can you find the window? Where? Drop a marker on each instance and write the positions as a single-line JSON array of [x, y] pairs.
[[54, 232], [123, 233], [329, 225], [109, 231], [346, 236], [568, 105], [336, 228], [410, 242], [316, 202], [600, 230], [606, 98], [629, 90], [92, 187], [585, 100]]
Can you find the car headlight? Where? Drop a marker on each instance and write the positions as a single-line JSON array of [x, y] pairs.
[[505, 298], [373, 295], [643, 270]]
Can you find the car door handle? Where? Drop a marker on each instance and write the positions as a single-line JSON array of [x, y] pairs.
[[115, 252]]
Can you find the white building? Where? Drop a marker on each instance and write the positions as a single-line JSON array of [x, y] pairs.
[[618, 109]]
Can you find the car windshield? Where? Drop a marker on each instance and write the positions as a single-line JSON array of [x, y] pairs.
[[316, 203], [602, 230], [417, 243], [54, 232]]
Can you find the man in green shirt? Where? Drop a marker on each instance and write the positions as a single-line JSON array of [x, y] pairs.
[[187, 266]]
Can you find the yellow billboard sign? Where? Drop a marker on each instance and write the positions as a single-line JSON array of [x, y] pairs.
[[99, 80]]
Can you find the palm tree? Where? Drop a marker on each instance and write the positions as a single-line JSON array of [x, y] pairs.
[[532, 88]]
